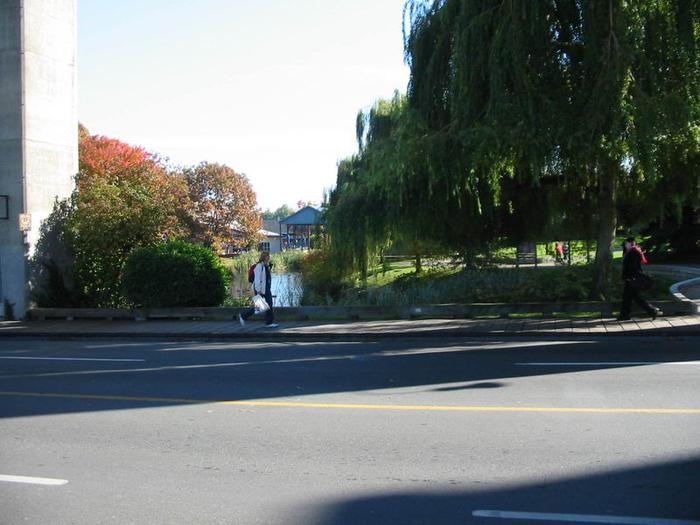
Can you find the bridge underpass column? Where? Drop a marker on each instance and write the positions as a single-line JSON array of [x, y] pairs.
[[38, 130]]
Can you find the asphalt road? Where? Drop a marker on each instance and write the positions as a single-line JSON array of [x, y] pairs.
[[426, 431]]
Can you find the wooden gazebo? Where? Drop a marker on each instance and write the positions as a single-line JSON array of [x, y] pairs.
[[297, 230]]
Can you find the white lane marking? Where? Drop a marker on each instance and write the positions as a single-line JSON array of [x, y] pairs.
[[613, 363], [579, 518], [182, 367], [34, 481], [71, 359]]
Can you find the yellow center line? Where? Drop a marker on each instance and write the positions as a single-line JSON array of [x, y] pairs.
[[360, 406]]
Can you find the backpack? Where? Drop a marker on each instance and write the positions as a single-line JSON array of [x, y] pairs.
[[251, 273]]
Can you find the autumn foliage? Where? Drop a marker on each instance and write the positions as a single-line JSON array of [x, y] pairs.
[[126, 198], [223, 207], [110, 158]]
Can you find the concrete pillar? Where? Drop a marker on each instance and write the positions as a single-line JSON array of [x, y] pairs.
[[38, 128]]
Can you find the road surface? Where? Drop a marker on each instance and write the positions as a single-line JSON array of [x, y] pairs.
[[431, 431]]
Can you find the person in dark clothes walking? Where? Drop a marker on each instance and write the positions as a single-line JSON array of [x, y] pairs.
[[632, 261], [262, 285]]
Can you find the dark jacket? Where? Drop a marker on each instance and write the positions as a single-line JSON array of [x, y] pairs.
[[631, 264]]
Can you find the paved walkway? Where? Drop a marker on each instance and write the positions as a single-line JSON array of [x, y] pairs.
[[324, 330], [692, 292], [689, 286]]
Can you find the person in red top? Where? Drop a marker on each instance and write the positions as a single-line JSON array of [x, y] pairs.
[[632, 260], [559, 252]]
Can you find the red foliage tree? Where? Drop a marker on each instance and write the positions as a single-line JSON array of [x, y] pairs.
[[111, 158], [124, 199]]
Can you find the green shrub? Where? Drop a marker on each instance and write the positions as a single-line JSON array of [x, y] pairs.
[[175, 273], [287, 261], [52, 266], [239, 264], [321, 278], [283, 262], [495, 285], [439, 285]]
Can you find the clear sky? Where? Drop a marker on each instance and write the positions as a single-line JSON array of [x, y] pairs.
[[270, 88]]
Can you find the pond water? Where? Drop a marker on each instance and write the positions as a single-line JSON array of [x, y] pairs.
[[286, 288]]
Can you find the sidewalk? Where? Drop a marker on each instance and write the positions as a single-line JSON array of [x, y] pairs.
[[362, 330]]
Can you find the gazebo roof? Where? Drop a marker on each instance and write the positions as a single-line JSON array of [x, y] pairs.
[[306, 216]]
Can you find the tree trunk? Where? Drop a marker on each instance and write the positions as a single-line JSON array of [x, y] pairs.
[[364, 263], [607, 223], [588, 251], [419, 264], [470, 258]]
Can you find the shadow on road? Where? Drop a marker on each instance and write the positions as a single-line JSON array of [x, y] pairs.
[[165, 374], [660, 491]]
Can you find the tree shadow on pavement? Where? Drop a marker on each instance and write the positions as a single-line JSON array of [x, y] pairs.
[[658, 491], [164, 374]]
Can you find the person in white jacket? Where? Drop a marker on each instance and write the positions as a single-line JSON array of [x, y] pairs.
[[261, 285]]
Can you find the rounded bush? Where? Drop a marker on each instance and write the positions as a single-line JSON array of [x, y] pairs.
[[175, 273]]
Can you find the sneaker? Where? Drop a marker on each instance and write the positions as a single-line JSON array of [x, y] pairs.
[[241, 320], [654, 313], [271, 325]]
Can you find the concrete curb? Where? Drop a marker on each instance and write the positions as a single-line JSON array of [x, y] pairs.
[[340, 337], [677, 292], [352, 336], [353, 313]]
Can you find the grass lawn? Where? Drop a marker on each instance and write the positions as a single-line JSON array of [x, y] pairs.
[[400, 285], [383, 276]]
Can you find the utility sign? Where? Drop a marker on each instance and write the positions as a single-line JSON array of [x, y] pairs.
[[25, 222]]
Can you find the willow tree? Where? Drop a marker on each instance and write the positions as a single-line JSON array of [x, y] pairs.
[[590, 94], [665, 182], [393, 160], [354, 218], [385, 194], [360, 209]]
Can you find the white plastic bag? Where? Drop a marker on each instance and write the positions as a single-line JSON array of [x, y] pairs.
[[260, 304]]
